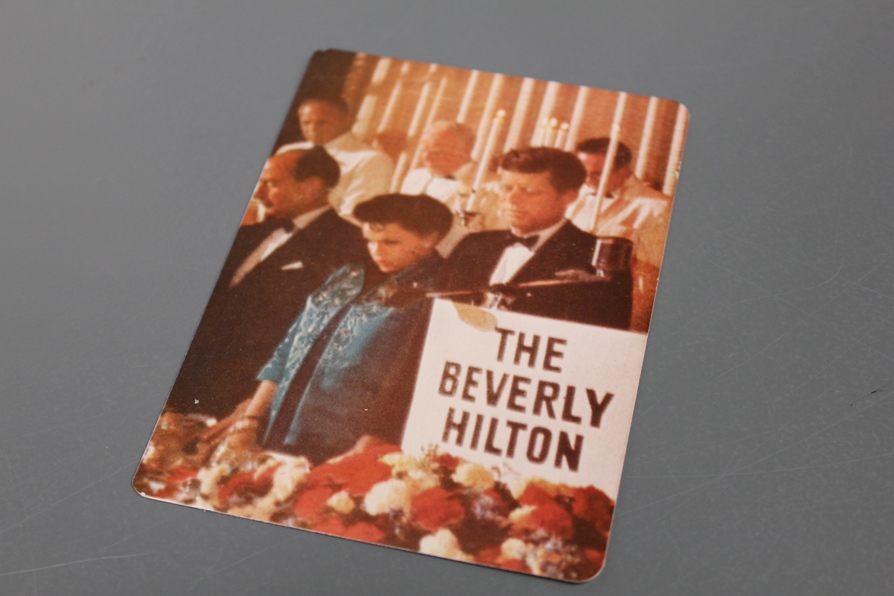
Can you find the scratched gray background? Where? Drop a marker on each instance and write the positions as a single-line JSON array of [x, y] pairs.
[[131, 134]]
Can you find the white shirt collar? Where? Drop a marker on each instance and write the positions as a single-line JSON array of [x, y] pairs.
[[337, 141], [545, 234], [304, 220]]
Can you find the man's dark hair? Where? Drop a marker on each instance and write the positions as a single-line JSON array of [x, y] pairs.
[[316, 163], [420, 214], [565, 170], [332, 99], [600, 146]]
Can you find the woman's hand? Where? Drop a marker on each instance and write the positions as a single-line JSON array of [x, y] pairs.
[[243, 434]]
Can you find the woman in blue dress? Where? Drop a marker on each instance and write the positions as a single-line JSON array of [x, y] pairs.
[[347, 367]]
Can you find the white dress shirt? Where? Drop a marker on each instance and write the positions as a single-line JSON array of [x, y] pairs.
[[516, 255], [636, 211]]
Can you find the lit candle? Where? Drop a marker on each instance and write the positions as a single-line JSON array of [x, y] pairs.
[[551, 133], [562, 136]]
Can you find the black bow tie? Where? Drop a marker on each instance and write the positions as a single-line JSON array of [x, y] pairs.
[[528, 241]]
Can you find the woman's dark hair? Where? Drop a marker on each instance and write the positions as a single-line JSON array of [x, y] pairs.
[[420, 214]]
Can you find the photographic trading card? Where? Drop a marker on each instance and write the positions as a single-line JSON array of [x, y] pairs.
[[429, 331]]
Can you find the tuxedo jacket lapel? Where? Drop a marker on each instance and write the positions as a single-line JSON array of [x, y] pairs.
[[566, 248]]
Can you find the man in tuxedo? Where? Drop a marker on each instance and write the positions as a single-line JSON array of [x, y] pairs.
[[365, 172], [536, 186], [271, 269]]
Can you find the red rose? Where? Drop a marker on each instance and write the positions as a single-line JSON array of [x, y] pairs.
[[264, 480], [552, 518], [356, 473], [535, 495], [596, 557], [366, 477], [446, 460], [330, 524], [364, 531], [435, 508], [310, 504], [488, 555], [181, 473], [166, 492], [234, 485]]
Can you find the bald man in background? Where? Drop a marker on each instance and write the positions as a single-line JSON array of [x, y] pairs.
[[447, 174]]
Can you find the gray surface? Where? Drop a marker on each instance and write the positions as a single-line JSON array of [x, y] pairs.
[[131, 134]]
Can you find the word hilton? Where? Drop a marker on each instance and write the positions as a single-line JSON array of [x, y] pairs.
[[524, 395]]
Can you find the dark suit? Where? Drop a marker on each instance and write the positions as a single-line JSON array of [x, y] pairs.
[[472, 263], [243, 324]]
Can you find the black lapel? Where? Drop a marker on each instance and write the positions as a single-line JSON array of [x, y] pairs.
[[568, 247]]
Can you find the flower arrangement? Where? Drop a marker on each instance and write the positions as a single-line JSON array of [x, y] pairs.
[[433, 503]]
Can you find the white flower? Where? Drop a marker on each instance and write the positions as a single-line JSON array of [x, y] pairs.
[[210, 478], [420, 480], [513, 548], [285, 481], [473, 475], [443, 544], [391, 495], [262, 509], [341, 502], [520, 516], [400, 462]]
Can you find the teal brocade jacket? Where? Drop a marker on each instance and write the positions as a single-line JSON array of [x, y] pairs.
[[353, 363]]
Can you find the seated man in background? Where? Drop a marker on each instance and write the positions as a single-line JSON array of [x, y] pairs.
[[630, 209], [536, 186], [271, 269], [365, 172], [448, 172]]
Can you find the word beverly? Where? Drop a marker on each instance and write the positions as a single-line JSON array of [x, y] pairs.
[[540, 438], [547, 392]]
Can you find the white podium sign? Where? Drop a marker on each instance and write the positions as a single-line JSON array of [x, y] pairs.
[[528, 395]]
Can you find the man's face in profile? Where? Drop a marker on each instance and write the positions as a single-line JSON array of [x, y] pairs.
[[321, 121], [281, 195], [529, 202], [593, 163]]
